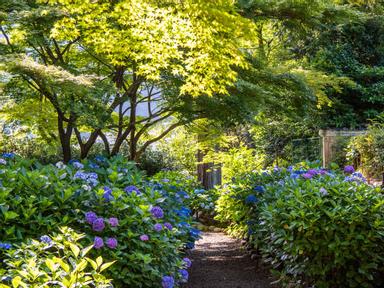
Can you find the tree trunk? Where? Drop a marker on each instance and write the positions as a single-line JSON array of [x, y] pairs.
[[86, 147], [132, 123], [65, 139]]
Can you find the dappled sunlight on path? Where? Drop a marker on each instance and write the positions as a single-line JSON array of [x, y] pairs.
[[219, 261]]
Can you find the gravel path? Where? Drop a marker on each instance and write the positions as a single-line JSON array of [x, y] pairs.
[[220, 262]]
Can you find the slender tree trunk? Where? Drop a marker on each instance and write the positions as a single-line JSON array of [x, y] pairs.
[[132, 120], [65, 139]]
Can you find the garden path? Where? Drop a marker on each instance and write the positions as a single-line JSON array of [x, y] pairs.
[[219, 261]]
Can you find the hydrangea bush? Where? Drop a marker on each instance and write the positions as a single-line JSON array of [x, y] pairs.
[[59, 261], [190, 190], [315, 227], [142, 225]]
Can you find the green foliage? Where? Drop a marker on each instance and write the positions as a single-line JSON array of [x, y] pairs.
[[198, 199], [58, 262], [366, 150], [353, 50], [185, 40], [35, 199], [315, 227]]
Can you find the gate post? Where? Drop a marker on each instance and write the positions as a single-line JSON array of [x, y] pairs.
[[329, 139]]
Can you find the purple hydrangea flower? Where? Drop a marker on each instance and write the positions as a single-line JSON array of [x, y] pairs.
[[168, 226], [98, 225], [98, 242], [3, 162], [113, 221], [307, 176], [144, 237], [168, 282], [111, 243], [90, 217], [46, 239], [322, 172], [132, 188], [187, 262], [349, 169], [157, 212], [158, 227], [184, 275], [313, 172]]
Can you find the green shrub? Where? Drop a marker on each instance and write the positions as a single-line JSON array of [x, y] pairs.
[[198, 199], [59, 261], [36, 199], [315, 227], [367, 151]]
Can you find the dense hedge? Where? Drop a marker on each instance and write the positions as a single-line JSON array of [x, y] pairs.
[[143, 225], [315, 227]]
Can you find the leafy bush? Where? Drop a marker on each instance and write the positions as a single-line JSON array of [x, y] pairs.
[[197, 198], [109, 200], [59, 261], [367, 151], [315, 227]]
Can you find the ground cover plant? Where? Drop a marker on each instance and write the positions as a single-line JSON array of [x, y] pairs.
[[140, 225], [315, 227]]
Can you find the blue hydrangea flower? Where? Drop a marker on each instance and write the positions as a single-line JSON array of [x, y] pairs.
[[259, 189], [90, 178], [182, 194], [108, 194], [187, 262], [250, 199], [3, 162], [168, 282], [5, 246], [93, 165], [194, 233], [183, 212], [323, 191], [132, 188], [190, 245], [78, 165], [184, 275], [8, 155], [199, 191], [100, 158]]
